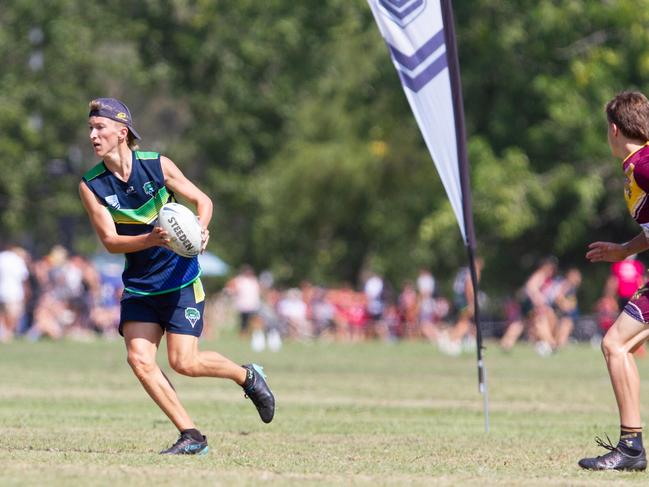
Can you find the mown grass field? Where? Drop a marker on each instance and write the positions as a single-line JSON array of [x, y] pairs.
[[72, 414]]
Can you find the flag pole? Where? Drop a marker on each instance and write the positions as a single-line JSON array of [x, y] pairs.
[[463, 161]]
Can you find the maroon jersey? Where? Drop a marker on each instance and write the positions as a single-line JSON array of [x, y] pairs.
[[636, 189], [636, 186]]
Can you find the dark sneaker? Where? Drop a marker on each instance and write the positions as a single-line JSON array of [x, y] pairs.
[[615, 459], [186, 445], [259, 392]]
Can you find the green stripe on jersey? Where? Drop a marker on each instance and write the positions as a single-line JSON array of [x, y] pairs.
[[143, 293], [94, 172], [145, 214], [146, 155]]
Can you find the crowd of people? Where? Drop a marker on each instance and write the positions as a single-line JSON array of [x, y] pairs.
[[64, 295], [376, 311], [543, 311], [57, 295]]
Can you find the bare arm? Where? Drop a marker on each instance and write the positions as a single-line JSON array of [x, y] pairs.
[[533, 288], [105, 228], [468, 291], [613, 252], [179, 184]]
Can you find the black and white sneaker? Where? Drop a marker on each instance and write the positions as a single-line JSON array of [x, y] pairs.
[[186, 445], [256, 389], [615, 459]]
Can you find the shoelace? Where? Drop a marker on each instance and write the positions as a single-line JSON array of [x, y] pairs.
[[609, 446]]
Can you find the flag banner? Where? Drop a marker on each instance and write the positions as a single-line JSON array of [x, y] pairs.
[[415, 34], [421, 39]]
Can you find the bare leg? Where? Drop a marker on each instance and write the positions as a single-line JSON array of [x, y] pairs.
[[543, 328], [618, 346], [430, 331], [563, 331], [461, 328], [186, 359], [512, 334], [142, 340]]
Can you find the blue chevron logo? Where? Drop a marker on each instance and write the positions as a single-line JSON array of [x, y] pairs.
[[402, 12], [418, 69]]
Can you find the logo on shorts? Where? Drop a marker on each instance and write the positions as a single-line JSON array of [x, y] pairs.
[[149, 188], [192, 315]]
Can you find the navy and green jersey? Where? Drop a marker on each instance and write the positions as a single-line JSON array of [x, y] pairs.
[[134, 206]]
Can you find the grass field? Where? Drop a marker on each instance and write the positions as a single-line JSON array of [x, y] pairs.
[[72, 414]]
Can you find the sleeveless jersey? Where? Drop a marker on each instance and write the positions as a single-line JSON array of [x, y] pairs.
[[134, 207], [636, 186]]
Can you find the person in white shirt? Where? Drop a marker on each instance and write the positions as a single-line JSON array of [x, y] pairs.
[[246, 292], [13, 279]]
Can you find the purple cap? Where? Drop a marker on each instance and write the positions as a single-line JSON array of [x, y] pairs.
[[115, 110]]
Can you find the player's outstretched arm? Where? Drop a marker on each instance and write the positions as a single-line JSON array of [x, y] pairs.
[[105, 228], [614, 252], [179, 184]]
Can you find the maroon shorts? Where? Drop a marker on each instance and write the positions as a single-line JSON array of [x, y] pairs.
[[638, 306]]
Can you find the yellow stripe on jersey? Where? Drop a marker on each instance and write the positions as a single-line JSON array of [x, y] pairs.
[[146, 214], [634, 195]]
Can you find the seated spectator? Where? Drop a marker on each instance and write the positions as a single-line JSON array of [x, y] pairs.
[[463, 332], [565, 306], [535, 310]]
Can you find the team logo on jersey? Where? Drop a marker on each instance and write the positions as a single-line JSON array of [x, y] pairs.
[[112, 201], [149, 188], [192, 315]]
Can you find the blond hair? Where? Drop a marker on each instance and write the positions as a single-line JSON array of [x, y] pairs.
[[130, 138]]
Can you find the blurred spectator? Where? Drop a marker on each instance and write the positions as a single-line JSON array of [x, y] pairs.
[[375, 294], [625, 279], [323, 315], [32, 296], [607, 311], [409, 310], [565, 306], [535, 310], [464, 305], [425, 283], [13, 281], [245, 290], [105, 313], [350, 315], [293, 310], [272, 323], [51, 316], [428, 314]]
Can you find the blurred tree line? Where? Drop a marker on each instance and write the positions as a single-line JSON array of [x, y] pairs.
[[291, 116]]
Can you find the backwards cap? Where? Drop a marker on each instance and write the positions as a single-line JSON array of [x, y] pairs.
[[115, 110]]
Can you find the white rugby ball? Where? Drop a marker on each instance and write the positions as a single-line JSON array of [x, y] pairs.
[[183, 228]]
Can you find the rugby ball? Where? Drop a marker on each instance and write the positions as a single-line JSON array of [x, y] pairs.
[[183, 228]]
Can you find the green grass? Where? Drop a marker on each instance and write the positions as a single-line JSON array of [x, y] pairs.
[[368, 414]]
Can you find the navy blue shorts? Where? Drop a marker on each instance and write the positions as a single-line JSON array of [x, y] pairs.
[[178, 311]]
